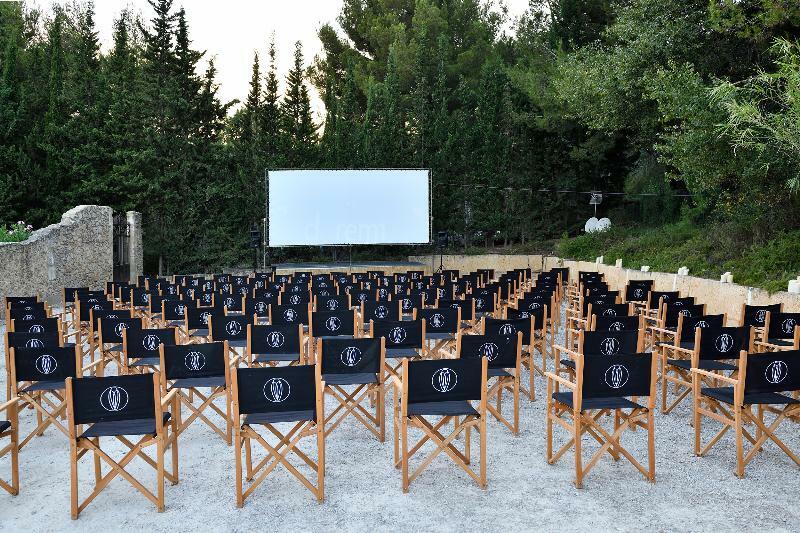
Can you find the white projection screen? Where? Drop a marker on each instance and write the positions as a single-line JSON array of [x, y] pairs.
[[335, 207]]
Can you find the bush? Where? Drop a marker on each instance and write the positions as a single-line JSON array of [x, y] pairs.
[[16, 232]]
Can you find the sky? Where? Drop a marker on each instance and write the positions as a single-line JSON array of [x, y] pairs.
[[231, 30]]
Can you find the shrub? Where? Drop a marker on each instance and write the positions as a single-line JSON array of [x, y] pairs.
[[16, 232]]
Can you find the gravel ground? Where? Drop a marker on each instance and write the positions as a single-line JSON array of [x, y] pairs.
[[363, 491]]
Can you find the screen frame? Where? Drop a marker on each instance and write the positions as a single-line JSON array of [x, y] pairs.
[[266, 206]]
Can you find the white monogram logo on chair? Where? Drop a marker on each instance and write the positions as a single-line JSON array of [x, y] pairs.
[[261, 308], [381, 311], [195, 361], [290, 315], [119, 327], [34, 343], [294, 299], [479, 303], [27, 317], [437, 320], [524, 314], [362, 297], [204, 316], [610, 312], [150, 343], [685, 312], [534, 305], [180, 310], [114, 399], [638, 293], [333, 323], [444, 379], [233, 328], [46, 364], [787, 326], [350, 356], [228, 302], [617, 376], [145, 297], [275, 339], [609, 346], [724, 343], [507, 329], [397, 335], [407, 304], [489, 350], [776, 372], [36, 328], [702, 324], [616, 326], [277, 390], [760, 316], [332, 305]]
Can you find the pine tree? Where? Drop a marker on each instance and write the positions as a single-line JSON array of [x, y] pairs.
[[299, 125], [270, 125]]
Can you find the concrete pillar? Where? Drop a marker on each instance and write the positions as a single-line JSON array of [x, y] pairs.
[[135, 249]]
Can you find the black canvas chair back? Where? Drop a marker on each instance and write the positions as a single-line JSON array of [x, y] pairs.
[[686, 311], [296, 288], [332, 303], [114, 399], [611, 310], [723, 342], [27, 312], [45, 364], [86, 308], [409, 302], [289, 314], [399, 333], [277, 390], [439, 320], [267, 293], [295, 298], [205, 298], [229, 328], [636, 291], [656, 297], [99, 314], [772, 372], [444, 380], [242, 290], [484, 302], [621, 376], [351, 356], [90, 296], [275, 340], [782, 325], [111, 328], [333, 323], [499, 350], [380, 311], [524, 314], [257, 306], [36, 325], [263, 275], [341, 277], [140, 297], [414, 274], [509, 327], [239, 280], [207, 285], [154, 306], [690, 323], [328, 290], [231, 302], [112, 288], [199, 317], [174, 310], [682, 301], [13, 301], [257, 283], [756, 315], [282, 278], [192, 361], [24, 339], [617, 323], [144, 343], [224, 287], [610, 343], [464, 305], [360, 295], [170, 289], [190, 293]]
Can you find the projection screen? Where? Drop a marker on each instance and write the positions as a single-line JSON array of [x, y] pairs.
[[335, 207]]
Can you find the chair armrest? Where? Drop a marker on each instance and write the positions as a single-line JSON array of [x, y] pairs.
[[564, 381], [714, 376], [9, 403], [662, 330], [168, 398]]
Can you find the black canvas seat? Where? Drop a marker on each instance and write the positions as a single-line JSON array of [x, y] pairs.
[[4, 425], [115, 348], [349, 379], [267, 357], [140, 426], [239, 343], [199, 333], [400, 353], [780, 342], [280, 416], [725, 394], [705, 364], [438, 336], [190, 383], [590, 404], [44, 385], [498, 373], [450, 408], [144, 361]]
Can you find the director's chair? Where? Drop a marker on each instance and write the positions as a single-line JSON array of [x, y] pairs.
[[404, 339], [271, 345], [441, 388], [110, 338], [188, 368], [357, 363], [10, 428], [508, 327], [441, 327], [140, 348], [504, 354], [120, 407], [756, 316], [231, 329], [603, 385], [782, 332], [759, 388], [268, 397]]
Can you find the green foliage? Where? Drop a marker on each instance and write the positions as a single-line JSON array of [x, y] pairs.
[[17, 232]]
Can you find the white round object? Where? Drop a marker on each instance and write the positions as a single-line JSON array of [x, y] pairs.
[[591, 225], [603, 224]]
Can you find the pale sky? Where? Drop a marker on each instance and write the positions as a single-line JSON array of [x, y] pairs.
[[231, 30]]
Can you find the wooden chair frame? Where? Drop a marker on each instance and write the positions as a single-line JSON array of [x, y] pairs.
[[528, 360], [764, 345], [278, 454], [12, 448], [163, 439], [440, 348]]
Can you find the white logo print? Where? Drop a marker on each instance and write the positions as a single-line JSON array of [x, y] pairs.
[[489, 350], [362, 297], [524, 314], [277, 390], [261, 308], [195, 361], [119, 328], [760, 316], [36, 328], [382, 292], [381, 311], [609, 346], [294, 299], [407, 304], [534, 305], [233, 328], [27, 317], [397, 335], [610, 312], [34, 343], [290, 315], [97, 307], [333, 323], [114, 399], [776, 372], [228, 302], [112, 316], [724, 343], [437, 320], [787, 326], [146, 298], [46, 364], [204, 317], [180, 309], [701, 324], [275, 339], [617, 376], [507, 329], [150, 342], [332, 305], [479, 303], [638, 293], [444, 379], [350, 356], [684, 312], [616, 326]]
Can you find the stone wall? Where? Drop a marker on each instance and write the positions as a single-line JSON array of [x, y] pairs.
[[719, 297], [76, 252]]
